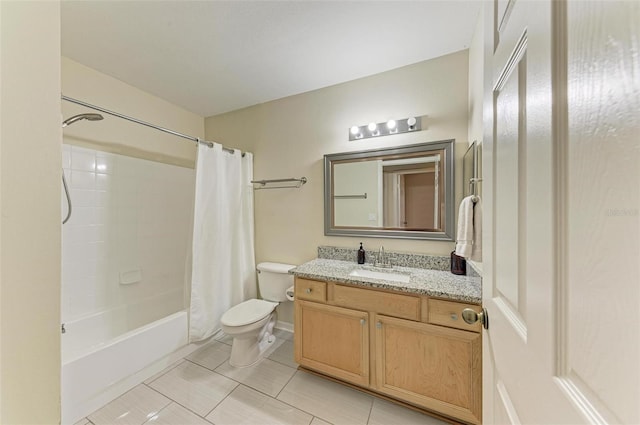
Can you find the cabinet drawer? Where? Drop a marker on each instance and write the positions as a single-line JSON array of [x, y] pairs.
[[396, 305], [312, 290], [449, 313]]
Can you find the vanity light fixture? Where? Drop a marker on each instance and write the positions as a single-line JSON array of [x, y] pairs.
[[355, 133], [392, 126], [388, 128]]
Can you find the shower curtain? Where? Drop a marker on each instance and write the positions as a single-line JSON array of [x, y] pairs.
[[223, 267]]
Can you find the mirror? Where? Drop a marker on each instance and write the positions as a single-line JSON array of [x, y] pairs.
[[400, 192], [472, 170]]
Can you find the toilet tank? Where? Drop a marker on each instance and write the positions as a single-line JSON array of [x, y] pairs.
[[274, 280]]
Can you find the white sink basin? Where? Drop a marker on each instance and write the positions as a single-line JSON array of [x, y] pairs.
[[371, 274]]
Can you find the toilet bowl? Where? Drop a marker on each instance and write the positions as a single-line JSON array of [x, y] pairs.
[[251, 322]]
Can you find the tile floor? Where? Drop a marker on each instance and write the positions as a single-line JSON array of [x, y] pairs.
[[204, 389]]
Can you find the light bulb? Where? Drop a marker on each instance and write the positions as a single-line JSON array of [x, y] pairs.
[[355, 130], [391, 124], [372, 127], [411, 122]]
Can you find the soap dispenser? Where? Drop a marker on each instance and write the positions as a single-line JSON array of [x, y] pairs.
[[361, 254]]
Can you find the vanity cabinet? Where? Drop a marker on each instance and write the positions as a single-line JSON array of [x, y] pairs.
[[431, 366], [333, 340], [409, 347]]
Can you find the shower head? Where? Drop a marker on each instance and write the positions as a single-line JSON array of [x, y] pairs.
[[90, 117]]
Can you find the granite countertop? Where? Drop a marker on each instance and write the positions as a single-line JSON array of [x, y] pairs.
[[435, 283]]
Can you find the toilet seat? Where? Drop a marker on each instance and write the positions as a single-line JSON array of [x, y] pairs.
[[248, 312]]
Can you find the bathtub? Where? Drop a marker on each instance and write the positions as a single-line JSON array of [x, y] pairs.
[[94, 372]]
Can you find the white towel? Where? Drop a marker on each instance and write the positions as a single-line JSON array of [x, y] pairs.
[[469, 237]]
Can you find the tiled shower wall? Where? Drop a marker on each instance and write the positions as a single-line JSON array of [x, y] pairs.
[[125, 246]]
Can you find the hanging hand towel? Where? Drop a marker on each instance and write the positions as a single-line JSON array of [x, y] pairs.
[[469, 237]]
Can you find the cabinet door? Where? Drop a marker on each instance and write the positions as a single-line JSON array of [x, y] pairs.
[[431, 366], [332, 340]]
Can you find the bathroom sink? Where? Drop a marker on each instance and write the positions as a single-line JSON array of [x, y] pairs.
[[372, 274]]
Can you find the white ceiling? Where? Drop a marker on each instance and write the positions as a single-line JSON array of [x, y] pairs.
[[212, 57]]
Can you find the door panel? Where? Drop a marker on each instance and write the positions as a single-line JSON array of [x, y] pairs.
[[510, 150], [562, 200], [600, 355]]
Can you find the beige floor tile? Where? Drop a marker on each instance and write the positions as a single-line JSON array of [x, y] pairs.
[[326, 399], [131, 408], [83, 421], [318, 421], [211, 355], [224, 338], [163, 371], [174, 414], [284, 354], [267, 376], [194, 387], [385, 412], [245, 406]]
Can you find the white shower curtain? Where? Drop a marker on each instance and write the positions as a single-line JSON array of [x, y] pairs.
[[223, 268]]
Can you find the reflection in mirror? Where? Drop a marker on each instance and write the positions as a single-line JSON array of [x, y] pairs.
[[472, 170], [401, 192]]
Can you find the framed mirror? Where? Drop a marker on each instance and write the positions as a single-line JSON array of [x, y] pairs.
[[472, 170], [400, 192]]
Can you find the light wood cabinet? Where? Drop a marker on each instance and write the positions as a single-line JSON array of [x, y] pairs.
[[431, 366], [333, 340], [409, 347]]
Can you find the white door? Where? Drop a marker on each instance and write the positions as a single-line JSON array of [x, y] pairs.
[[562, 222]]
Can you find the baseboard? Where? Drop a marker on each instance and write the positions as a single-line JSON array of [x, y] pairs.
[[285, 326]]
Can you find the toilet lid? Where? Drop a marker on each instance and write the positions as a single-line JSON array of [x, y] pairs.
[[247, 312]]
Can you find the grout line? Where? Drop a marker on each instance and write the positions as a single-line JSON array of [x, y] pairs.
[[164, 371], [249, 386], [285, 385], [373, 400], [206, 367], [221, 401]]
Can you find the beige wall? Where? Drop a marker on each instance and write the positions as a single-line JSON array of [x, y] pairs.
[[476, 95], [290, 136], [117, 135], [30, 221], [476, 81]]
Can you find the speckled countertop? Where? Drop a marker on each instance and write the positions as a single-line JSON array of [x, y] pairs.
[[435, 283]]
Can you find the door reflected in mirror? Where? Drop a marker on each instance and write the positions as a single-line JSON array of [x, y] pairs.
[[401, 192]]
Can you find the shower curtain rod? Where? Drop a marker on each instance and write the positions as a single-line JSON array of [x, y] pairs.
[[137, 121]]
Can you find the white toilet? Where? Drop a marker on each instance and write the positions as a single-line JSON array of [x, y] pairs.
[[251, 322]]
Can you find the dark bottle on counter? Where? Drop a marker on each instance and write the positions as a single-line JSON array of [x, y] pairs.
[[361, 254]]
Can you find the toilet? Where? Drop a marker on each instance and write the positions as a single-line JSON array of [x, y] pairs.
[[251, 322]]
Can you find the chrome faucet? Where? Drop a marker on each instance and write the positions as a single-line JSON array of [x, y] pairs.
[[381, 260]]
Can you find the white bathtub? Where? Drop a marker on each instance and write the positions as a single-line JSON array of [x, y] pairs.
[[95, 373]]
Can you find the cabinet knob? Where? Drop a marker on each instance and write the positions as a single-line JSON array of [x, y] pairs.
[[363, 321], [471, 316], [454, 316], [379, 325], [308, 290]]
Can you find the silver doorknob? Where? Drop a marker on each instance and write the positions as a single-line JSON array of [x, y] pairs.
[[471, 316]]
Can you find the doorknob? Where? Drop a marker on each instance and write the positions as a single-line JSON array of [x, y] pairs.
[[471, 316]]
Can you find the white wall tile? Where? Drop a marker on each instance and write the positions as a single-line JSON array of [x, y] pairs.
[[127, 213], [103, 181], [105, 163], [82, 179], [83, 160]]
